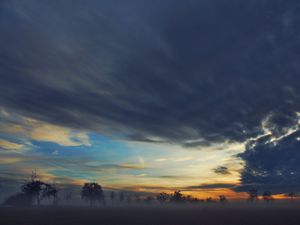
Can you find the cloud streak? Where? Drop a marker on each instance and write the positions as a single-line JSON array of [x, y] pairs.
[[4, 144], [30, 129]]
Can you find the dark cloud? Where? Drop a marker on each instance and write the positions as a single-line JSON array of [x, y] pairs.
[[222, 170], [171, 177], [272, 165], [153, 70], [192, 144], [212, 186]]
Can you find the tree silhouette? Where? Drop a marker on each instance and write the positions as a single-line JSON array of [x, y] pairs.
[[163, 197], [210, 200], [37, 189], [191, 199], [291, 195], [50, 191], [34, 188], [121, 197], [112, 197], [92, 192], [177, 197], [252, 195], [267, 196], [68, 194], [222, 199]]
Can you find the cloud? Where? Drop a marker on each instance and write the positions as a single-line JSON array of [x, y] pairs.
[[9, 160], [199, 74], [32, 129], [174, 177], [131, 166], [212, 186], [4, 144], [56, 152], [40, 131], [116, 68], [176, 159], [183, 159], [161, 159], [271, 162], [223, 170]]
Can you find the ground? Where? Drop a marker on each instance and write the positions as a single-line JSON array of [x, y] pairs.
[[237, 214]]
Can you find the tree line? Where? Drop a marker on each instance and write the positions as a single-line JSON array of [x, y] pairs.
[[34, 191]]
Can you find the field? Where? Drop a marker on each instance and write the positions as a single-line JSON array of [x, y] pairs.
[[236, 214]]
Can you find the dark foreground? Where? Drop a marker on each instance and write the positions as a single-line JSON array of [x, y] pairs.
[[168, 215]]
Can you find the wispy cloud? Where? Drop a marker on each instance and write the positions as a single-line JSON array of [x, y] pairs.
[[213, 186], [31, 129], [223, 170], [4, 144]]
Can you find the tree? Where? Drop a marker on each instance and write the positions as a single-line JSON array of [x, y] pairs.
[[210, 200], [222, 199], [50, 191], [34, 188], [92, 192], [177, 197], [252, 195], [112, 197], [191, 199], [163, 197], [121, 197], [291, 195], [68, 194], [267, 196]]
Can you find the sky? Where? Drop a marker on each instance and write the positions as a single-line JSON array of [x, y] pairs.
[[150, 96]]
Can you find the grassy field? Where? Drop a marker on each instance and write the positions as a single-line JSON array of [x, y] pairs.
[[154, 215]]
